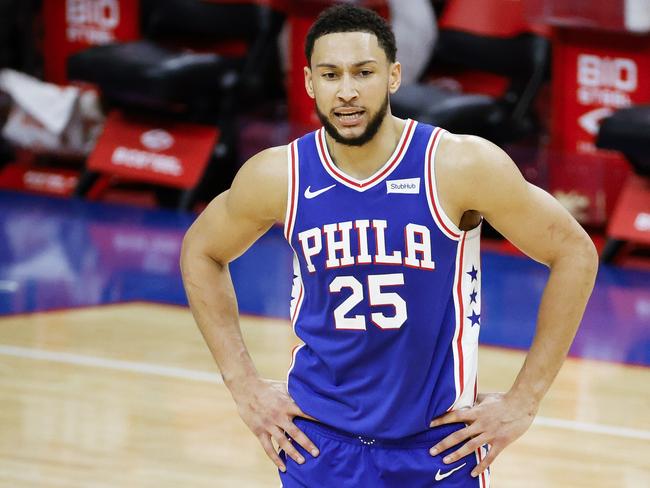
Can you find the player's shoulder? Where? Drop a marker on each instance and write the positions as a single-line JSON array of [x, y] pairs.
[[268, 162], [266, 169], [470, 169], [463, 154], [261, 183]]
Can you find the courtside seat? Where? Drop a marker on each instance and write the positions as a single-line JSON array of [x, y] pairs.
[[146, 73], [200, 61], [199, 54], [460, 113], [628, 131], [523, 59]]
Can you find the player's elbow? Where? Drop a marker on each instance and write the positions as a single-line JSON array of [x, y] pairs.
[[196, 253], [588, 249], [591, 257], [191, 253], [584, 256], [188, 251], [576, 253]]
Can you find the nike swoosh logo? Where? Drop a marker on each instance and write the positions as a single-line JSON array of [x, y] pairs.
[[440, 476], [313, 194]]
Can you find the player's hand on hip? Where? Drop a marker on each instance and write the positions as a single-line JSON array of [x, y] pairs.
[[497, 419], [267, 409]]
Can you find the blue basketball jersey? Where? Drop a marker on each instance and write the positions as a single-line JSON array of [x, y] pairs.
[[386, 293]]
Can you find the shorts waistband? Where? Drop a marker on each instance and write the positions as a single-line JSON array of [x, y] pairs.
[[423, 439]]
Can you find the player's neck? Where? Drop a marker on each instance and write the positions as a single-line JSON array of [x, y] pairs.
[[360, 162]]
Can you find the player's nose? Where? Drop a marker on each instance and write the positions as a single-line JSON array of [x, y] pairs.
[[347, 90]]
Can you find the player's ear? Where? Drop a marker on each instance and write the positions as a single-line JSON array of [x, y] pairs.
[[309, 85], [394, 77]]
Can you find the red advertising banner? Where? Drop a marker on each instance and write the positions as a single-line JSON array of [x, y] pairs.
[[49, 181], [73, 25], [168, 153], [594, 74], [631, 220]]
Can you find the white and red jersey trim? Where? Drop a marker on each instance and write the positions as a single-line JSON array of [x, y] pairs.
[[457, 342], [444, 223], [297, 289], [380, 174], [293, 179], [484, 477], [465, 340], [297, 299], [297, 292]]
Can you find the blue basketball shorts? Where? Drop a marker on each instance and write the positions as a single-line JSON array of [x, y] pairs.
[[351, 461]]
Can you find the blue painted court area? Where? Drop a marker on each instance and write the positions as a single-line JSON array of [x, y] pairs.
[[58, 254]]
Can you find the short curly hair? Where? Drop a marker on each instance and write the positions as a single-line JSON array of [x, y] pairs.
[[348, 18]]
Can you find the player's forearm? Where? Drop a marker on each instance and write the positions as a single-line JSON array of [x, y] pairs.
[[213, 303], [563, 303]]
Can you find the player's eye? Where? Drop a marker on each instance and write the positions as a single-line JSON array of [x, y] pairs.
[[365, 73], [329, 75]]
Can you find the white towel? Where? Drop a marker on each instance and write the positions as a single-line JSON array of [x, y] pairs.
[[51, 105]]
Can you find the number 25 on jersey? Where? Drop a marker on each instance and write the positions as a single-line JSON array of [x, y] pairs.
[[376, 296]]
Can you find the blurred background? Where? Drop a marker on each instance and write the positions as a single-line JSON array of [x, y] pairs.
[[157, 103], [121, 119]]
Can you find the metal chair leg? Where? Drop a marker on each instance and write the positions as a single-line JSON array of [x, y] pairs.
[[612, 246]]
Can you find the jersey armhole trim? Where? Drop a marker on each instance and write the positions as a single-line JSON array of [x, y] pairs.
[[442, 220], [292, 190]]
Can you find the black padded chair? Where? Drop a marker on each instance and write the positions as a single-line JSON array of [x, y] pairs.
[[155, 76], [627, 130], [146, 75], [523, 59], [155, 73]]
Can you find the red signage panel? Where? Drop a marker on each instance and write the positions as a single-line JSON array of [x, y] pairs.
[[631, 219], [73, 25], [49, 181], [594, 74], [168, 153]]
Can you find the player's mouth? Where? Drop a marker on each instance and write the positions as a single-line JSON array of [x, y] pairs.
[[349, 117]]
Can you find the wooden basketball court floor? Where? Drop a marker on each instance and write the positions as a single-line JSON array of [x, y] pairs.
[[112, 390]]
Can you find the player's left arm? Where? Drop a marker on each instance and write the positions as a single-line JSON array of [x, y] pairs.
[[540, 227]]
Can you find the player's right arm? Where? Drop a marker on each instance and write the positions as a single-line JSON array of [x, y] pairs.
[[225, 229]]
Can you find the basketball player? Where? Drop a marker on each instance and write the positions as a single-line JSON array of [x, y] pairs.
[[384, 218]]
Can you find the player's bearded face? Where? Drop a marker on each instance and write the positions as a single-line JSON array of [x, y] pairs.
[[372, 126], [350, 79]]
